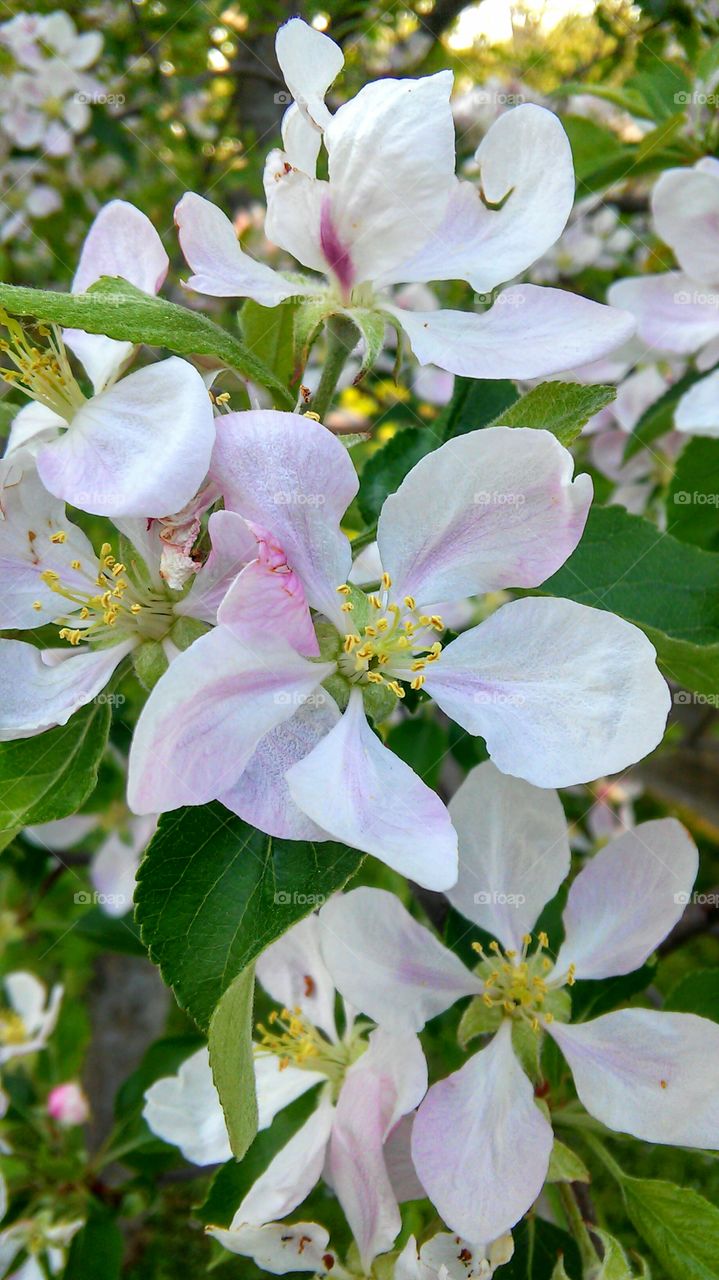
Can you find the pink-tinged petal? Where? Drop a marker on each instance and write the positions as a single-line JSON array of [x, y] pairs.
[[697, 413], [387, 1082], [513, 852], [294, 210], [205, 717], [261, 795], [398, 1161], [233, 547], [281, 1247], [685, 205], [141, 448], [480, 1144], [358, 791], [491, 509], [267, 599], [29, 518], [673, 312], [294, 973], [220, 266], [291, 1174], [636, 394], [309, 62], [33, 424], [560, 692], [291, 476], [38, 692], [185, 1110], [530, 331], [526, 173], [121, 242], [654, 1075], [277, 1085], [627, 898], [386, 964], [391, 169]]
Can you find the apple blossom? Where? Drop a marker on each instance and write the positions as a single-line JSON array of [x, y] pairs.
[[104, 609], [30, 1016], [369, 1083], [639, 1071], [68, 1104], [283, 739], [141, 444], [678, 311], [39, 1243], [392, 212], [113, 867]]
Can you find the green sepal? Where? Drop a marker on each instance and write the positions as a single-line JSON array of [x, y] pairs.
[[477, 1020], [186, 630], [565, 1165], [150, 662]]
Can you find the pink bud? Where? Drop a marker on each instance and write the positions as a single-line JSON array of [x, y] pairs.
[[68, 1105]]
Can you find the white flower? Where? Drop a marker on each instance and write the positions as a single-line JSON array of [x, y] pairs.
[[30, 1016]]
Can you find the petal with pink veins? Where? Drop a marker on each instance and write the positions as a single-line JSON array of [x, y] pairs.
[[480, 1144], [267, 599], [652, 1074], [358, 791], [387, 964], [627, 898], [490, 509]]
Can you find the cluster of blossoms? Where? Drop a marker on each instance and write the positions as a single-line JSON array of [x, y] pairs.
[[271, 658]]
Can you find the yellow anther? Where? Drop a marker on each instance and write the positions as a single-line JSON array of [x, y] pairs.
[[117, 569], [347, 607], [370, 631], [386, 581], [105, 550], [437, 622], [543, 940], [75, 564], [511, 954], [409, 626], [375, 602], [350, 641], [365, 652], [424, 620], [494, 946], [417, 682], [549, 1017], [382, 624], [534, 1024], [396, 688], [374, 677], [67, 633], [310, 414], [546, 964], [488, 1000], [410, 602], [477, 946], [527, 939], [135, 608], [570, 975], [345, 589], [224, 398], [49, 577], [84, 612], [58, 537], [36, 604]]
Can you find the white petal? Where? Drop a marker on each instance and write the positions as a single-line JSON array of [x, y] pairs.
[[141, 448], [301, 140], [627, 898], [654, 1075], [513, 852], [309, 62], [36, 694], [673, 312], [294, 210], [685, 206], [280, 1247], [277, 1085], [386, 964], [561, 693], [261, 795], [294, 973], [525, 164], [358, 791], [697, 413], [490, 509], [205, 717], [34, 422], [185, 1110], [291, 476], [220, 265], [391, 169], [529, 332], [480, 1144], [291, 1174], [233, 546]]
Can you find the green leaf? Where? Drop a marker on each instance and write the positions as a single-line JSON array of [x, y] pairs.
[[680, 1226], [371, 325], [693, 498], [593, 996], [596, 150], [50, 776], [387, 468], [696, 993], [268, 332], [232, 1060], [615, 1264], [560, 407], [7, 837], [96, 1251], [213, 893], [8, 411], [119, 310], [668, 588], [565, 1165], [475, 403]]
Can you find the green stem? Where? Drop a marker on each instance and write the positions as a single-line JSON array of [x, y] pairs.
[[342, 337], [364, 539], [577, 1227], [602, 1154]]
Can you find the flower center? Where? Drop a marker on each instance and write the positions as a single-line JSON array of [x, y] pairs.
[[106, 604], [12, 1028], [390, 642], [43, 373], [517, 984], [298, 1043]]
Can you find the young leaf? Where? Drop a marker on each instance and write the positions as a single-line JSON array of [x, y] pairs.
[[232, 1060], [51, 775], [615, 1264], [560, 407], [565, 1165], [680, 1226], [268, 332], [119, 310]]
